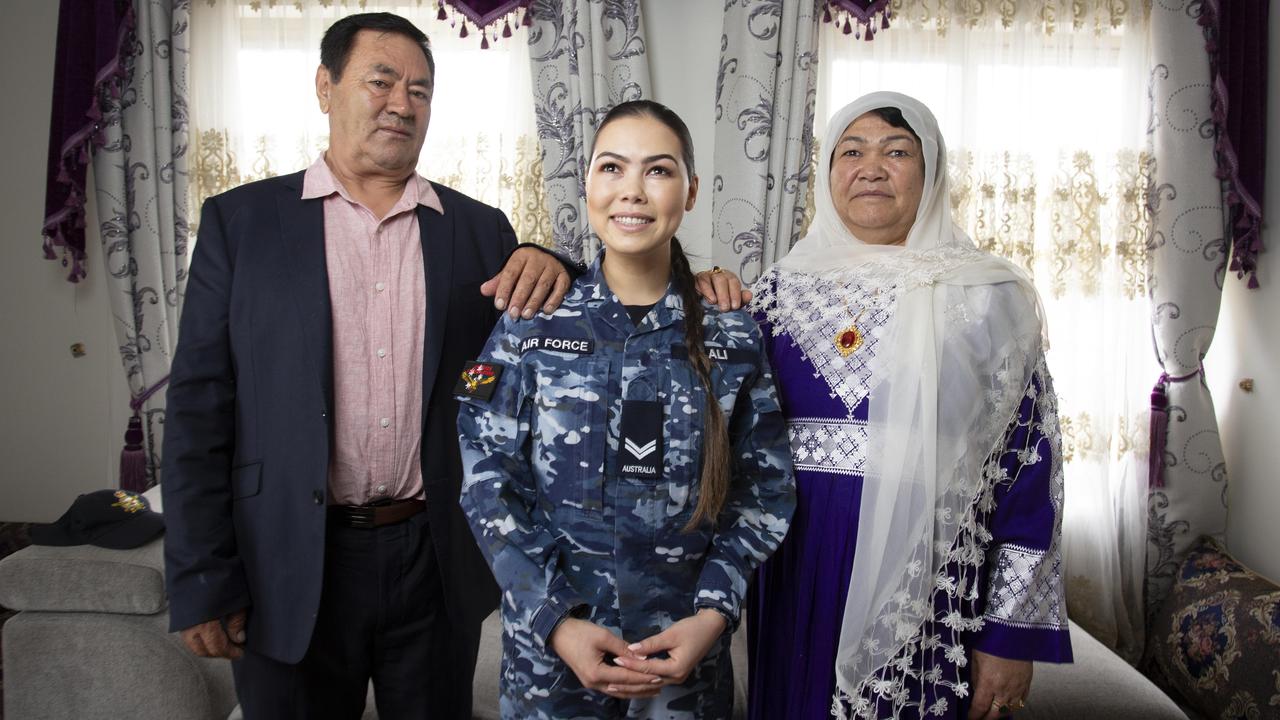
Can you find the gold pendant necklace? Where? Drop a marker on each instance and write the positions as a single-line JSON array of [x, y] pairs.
[[850, 338]]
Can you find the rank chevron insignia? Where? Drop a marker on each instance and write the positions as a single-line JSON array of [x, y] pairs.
[[640, 452]]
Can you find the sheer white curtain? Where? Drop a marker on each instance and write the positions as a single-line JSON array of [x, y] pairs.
[[1046, 125], [254, 112]]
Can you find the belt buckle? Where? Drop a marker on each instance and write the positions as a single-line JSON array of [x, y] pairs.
[[360, 516]]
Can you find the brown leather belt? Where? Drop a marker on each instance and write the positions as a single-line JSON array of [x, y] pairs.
[[372, 516]]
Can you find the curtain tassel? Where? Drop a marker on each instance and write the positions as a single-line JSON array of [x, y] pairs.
[[1159, 433], [528, 17], [826, 13], [848, 28], [464, 29], [133, 461], [442, 15], [133, 456], [506, 29], [1160, 425], [484, 40]]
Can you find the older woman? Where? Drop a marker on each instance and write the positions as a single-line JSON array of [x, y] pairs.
[[921, 575]]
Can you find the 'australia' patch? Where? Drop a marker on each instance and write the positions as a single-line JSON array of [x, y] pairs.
[[717, 354], [641, 447], [478, 380], [580, 346]]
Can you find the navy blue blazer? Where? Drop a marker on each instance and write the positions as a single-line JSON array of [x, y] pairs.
[[248, 424]]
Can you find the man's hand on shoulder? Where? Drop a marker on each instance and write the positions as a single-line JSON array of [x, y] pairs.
[[213, 639], [530, 280]]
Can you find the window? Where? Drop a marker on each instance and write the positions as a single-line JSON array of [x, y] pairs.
[[254, 112]]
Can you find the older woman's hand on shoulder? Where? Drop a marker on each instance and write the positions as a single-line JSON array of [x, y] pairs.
[[723, 288], [1000, 686]]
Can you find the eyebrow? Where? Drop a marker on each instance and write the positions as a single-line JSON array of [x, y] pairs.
[[883, 141], [388, 70], [647, 160]]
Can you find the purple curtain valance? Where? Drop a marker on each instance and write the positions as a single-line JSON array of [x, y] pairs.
[[861, 18], [92, 37], [491, 18], [1236, 39]]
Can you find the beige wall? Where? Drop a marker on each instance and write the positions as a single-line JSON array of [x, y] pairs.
[[684, 55], [60, 428]]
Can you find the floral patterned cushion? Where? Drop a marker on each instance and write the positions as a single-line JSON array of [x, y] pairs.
[[1216, 641]]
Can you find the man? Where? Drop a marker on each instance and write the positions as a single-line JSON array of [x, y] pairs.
[[311, 467]]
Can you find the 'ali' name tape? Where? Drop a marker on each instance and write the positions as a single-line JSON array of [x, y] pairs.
[[580, 346], [717, 353]]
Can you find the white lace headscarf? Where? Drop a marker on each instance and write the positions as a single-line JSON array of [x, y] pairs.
[[945, 391]]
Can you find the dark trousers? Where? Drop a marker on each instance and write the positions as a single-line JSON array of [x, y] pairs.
[[382, 617]]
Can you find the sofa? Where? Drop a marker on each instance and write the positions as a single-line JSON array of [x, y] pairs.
[[90, 643]]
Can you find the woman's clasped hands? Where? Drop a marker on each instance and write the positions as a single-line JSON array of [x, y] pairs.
[[605, 662]]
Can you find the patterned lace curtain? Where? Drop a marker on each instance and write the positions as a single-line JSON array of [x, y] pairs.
[[764, 133], [140, 178], [587, 56], [254, 110], [1045, 119]]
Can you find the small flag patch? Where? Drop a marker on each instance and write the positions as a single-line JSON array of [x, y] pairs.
[[478, 380]]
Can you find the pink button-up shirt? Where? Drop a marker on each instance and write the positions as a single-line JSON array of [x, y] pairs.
[[377, 287]]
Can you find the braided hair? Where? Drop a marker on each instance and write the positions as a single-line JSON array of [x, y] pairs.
[[716, 454]]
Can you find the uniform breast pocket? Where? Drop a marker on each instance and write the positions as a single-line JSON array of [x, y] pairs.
[[569, 431]]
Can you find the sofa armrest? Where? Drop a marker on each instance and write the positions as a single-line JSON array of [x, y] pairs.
[[84, 578], [1097, 685]]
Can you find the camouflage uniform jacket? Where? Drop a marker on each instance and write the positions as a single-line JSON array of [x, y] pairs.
[[571, 514]]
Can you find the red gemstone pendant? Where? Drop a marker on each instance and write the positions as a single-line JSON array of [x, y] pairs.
[[848, 340]]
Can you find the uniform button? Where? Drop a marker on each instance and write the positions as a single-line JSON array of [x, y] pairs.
[[385, 422], [379, 286], [382, 488], [318, 497], [382, 352]]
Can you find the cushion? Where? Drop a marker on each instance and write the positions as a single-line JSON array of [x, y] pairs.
[[1216, 640], [84, 578]]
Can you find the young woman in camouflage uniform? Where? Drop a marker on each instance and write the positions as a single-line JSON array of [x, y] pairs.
[[621, 509]]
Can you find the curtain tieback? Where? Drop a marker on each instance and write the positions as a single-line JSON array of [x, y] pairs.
[[133, 459], [1160, 425]]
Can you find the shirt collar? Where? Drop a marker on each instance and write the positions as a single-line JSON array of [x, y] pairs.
[[319, 182], [669, 308]]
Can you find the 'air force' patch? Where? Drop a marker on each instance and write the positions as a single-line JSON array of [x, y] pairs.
[[578, 346], [478, 380]]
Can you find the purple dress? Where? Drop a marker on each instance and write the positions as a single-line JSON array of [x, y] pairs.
[[798, 601]]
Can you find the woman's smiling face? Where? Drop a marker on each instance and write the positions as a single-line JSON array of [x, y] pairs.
[[638, 188], [877, 180]]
